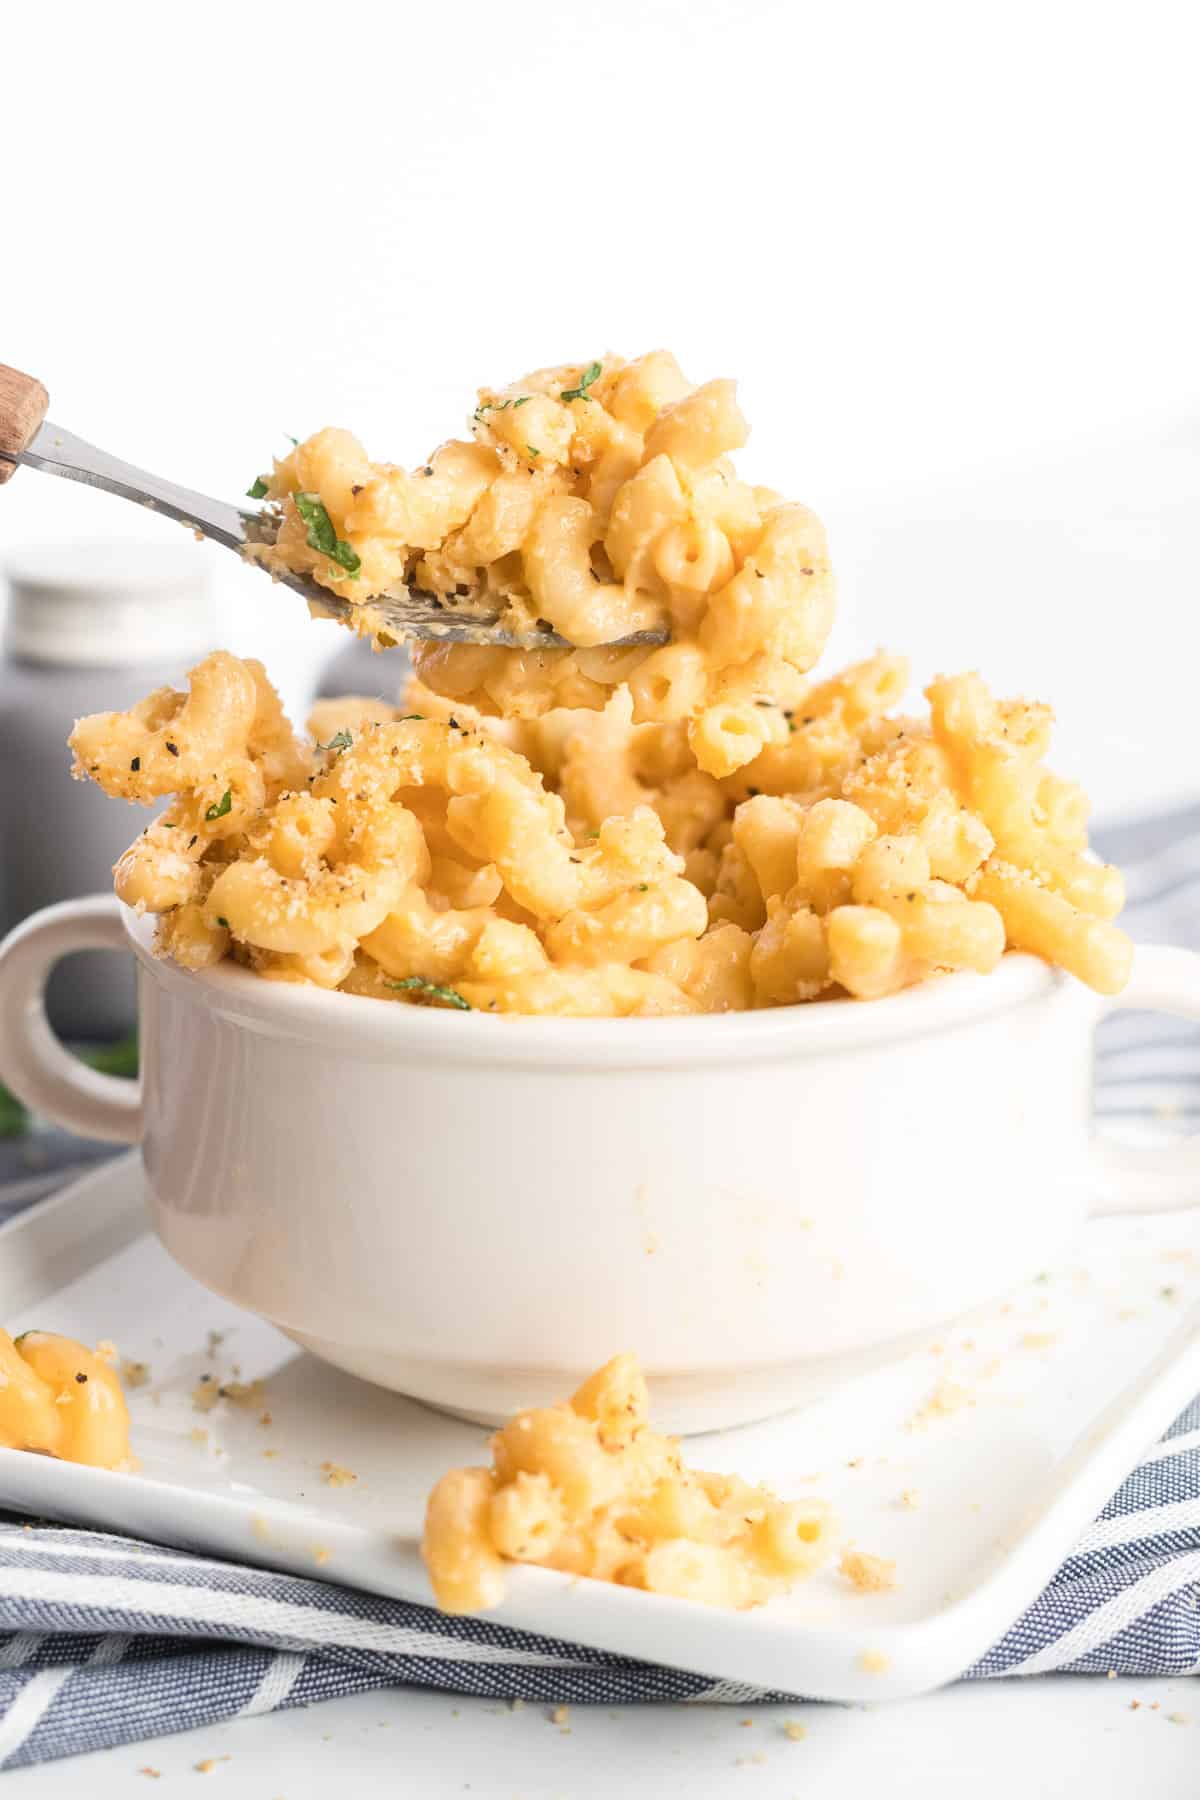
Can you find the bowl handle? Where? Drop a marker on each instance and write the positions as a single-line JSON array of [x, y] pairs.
[[33, 1063], [1135, 1178]]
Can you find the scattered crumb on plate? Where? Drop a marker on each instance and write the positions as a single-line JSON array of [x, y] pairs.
[[242, 1393], [874, 1662], [135, 1374], [869, 1574], [336, 1476], [793, 1729], [947, 1397]]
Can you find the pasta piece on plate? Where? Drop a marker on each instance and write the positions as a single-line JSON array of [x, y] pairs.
[[590, 1489]]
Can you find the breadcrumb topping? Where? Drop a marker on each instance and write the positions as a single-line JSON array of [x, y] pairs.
[[869, 1574], [336, 1476]]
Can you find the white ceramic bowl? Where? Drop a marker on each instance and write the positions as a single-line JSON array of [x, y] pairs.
[[477, 1210]]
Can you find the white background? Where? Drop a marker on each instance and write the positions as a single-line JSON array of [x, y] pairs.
[[949, 249]]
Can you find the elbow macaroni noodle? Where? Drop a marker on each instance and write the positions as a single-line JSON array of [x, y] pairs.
[[600, 501], [699, 827], [589, 1489], [64, 1400]]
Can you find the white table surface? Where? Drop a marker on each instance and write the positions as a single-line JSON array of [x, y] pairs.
[[1045, 1737]]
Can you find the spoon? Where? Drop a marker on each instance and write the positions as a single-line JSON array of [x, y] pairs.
[[29, 440]]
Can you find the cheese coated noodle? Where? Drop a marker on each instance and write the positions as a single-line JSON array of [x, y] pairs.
[[700, 826], [589, 1488]]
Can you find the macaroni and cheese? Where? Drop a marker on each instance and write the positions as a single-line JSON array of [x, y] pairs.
[[589, 1489], [58, 1397], [600, 500], [702, 827]]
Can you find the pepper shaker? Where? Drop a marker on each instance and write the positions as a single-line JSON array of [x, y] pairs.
[[89, 628]]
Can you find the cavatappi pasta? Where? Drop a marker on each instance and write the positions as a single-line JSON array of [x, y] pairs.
[[704, 827], [581, 863], [589, 1489], [600, 500]]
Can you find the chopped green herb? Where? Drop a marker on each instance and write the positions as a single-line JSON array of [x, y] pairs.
[[500, 405], [408, 716], [532, 451], [257, 490], [321, 535], [222, 922], [417, 984], [589, 375], [643, 887], [294, 441], [223, 806], [341, 740]]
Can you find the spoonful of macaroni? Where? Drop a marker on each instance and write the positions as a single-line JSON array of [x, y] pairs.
[[431, 555]]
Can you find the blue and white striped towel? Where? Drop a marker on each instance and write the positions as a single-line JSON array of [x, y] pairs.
[[153, 1640]]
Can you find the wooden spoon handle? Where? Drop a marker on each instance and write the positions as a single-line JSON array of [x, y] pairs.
[[23, 404]]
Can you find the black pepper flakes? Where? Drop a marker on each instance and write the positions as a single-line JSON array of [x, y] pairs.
[[173, 748], [136, 764], [81, 1377]]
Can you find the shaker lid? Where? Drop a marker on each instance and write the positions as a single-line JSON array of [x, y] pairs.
[[109, 602]]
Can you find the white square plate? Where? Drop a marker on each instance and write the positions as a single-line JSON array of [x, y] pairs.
[[1053, 1395]]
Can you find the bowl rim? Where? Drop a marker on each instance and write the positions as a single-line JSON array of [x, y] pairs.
[[549, 1044]]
